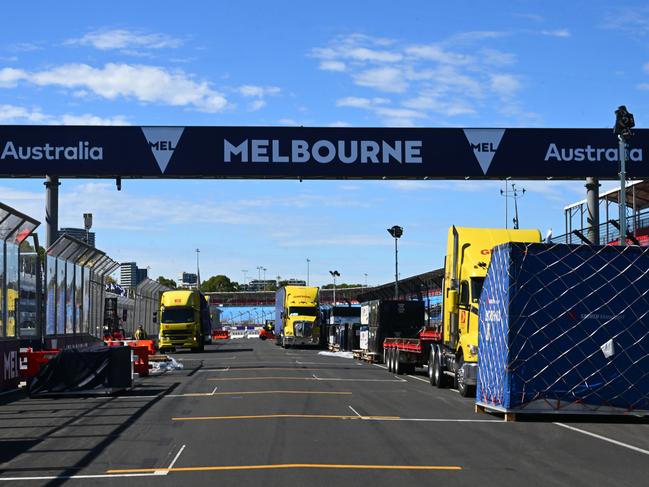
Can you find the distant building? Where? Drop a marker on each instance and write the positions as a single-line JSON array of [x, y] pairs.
[[294, 282], [187, 280], [142, 274], [79, 234], [130, 275], [261, 285]]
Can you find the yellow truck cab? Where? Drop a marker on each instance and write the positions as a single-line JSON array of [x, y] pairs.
[[296, 316], [468, 255], [184, 320]]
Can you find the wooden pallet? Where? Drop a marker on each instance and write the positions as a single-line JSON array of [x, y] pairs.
[[508, 416], [364, 355]]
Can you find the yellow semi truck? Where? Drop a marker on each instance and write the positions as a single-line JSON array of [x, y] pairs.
[[449, 348], [468, 255], [296, 316], [184, 321]]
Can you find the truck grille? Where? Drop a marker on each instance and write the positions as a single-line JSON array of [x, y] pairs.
[[175, 333]]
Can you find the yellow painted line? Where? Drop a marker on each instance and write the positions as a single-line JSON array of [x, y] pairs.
[[243, 369], [289, 465], [273, 416], [263, 378], [345, 393]]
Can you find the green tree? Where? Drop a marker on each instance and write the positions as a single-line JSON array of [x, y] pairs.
[[167, 282], [219, 283]]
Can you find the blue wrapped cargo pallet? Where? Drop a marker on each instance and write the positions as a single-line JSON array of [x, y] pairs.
[[565, 329]]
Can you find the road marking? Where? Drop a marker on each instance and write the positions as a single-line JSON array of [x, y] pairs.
[[165, 471], [261, 378], [298, 465], [275, 416], [604, 438], [150, 473], [355, 412], [214, 391], [380, 366], [398, 379], [419, 378]]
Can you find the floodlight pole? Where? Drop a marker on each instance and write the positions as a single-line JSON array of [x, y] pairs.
[[622, 198], [51, 209]]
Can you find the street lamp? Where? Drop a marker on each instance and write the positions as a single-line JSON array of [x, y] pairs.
[[87, 223], [264, 271], [396, 232], [198, 271], [365, 279], [245, 282], [624, 122], [334, 274], [308, 261]]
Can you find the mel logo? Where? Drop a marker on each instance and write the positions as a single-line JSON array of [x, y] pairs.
[[484, 143], [162, 142]]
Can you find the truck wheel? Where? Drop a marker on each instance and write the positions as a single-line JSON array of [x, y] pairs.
[[441, 379], [398, 367], [385, 355], [462, 387], [431, 366], [390, 360]]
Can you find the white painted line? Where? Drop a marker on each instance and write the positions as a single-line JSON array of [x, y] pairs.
[[213, 370], [173, 462], [214, 391], [355, 412], [419, 378], [381, 366], [72, 477], [604, 438]]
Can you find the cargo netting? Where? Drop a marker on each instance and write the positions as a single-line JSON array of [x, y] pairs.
[[565, 328]]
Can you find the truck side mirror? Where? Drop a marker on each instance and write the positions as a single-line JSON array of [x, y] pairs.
[[452, 300]]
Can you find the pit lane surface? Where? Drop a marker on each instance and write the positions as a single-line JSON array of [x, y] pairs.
[[249, 413]]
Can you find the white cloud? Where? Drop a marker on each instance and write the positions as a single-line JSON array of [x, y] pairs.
[[460, 76], [434, 52], [357, 102], [124, 39], [388, 79], [333, 66], [505, 85], [255, 105], [288, 121], [339, 123], [148, 84], [9, 77], [18, 114], [643, 86], [258, 91], [556, 33]]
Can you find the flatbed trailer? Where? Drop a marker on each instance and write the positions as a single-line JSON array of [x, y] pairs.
[[402, 355]]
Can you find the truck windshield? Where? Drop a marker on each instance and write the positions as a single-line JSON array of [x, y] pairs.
[[178, 315], [476, 288], [302, 311]]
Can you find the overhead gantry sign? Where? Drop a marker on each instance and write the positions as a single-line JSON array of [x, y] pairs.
[[316, 153]]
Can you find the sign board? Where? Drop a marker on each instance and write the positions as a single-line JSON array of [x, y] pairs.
[[316, 153]]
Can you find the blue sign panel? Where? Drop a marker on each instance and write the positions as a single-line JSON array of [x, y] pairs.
[[310, 153]]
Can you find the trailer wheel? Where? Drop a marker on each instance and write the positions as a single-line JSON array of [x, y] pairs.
[[441, 379], [391, 360], [431, 366], [398, 367], [385, 355]]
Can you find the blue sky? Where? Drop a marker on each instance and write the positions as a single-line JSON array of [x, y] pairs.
[[421, 63]]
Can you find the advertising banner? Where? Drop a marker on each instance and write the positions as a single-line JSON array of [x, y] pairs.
[[317, 153]]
